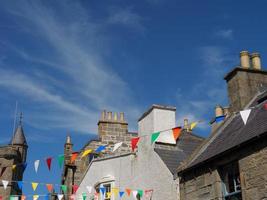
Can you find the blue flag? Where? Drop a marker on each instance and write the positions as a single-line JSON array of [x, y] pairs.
[[103, 190], [46, 197], [24, 165], [20, 184], [100, 148], [121, 193], [219, 119]]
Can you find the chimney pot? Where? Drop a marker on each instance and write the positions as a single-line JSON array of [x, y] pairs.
[[68, 140], [103, 115], [122, 117], [186, 124], [256, 60], [218, 111], [115, 116], [109, 115], [244, 59]]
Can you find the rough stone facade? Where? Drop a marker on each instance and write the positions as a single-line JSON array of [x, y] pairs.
[[12, 154], [111, 130]]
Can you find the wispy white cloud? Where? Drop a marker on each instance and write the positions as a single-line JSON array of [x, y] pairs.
[[224, 33], [73, 82]]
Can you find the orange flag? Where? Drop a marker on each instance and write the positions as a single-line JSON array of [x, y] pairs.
[[49, 187], [128, 191], [176, 132], [23, 197], [73, 157]]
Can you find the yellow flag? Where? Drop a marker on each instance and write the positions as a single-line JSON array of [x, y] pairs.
[[35, 197], [14, 167], [108, 195], [34, 186], [115, 191], [86, 152], [193, 125]]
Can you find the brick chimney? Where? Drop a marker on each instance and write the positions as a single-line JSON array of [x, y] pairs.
[[110, 126], [244, 82]]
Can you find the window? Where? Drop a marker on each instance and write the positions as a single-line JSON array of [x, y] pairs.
[[107, 195], [231, 182]]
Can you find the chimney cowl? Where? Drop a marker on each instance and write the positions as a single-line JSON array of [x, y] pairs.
[[244, 59]]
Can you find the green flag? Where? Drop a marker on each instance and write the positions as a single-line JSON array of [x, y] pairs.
[[154, 136], [64, 188], [140, 192], [84, 196], [60, 160]]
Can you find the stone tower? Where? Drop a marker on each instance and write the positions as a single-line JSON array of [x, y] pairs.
[[246, 80], [13, 154]]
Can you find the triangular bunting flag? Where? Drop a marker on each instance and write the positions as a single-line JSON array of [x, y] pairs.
[[75, 188], [140, 192], [23, 197], [35, 197], [86, 152], [102, 190], [176, 132], [245, 115], [100, 148], [89, 189], [265, 106], [14, 167], [108, 195], [5, 184], [96, 196], [135, 192], [134, 142], [2, 171], [60, 196], [166, 137], [20, 184], [84, 196], [219, 119], [148, 194], [193, 125], [36, 165], [116, 146], [73, 157], [64, 188], [154, 137], [72, 197], [49, 187], [128, 191], [115, 191], [60, 159], [34, 185], [121, 193], [48, 162], [47, 197], [1, 198]]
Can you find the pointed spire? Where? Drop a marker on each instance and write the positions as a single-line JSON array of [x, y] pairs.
[[18, 136]]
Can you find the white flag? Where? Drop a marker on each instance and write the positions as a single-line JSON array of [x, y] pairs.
[[89, 188], [5, 183], [245, 115], [60, 196], [166, 137], [116, 146], [135, 192], [36, 165]]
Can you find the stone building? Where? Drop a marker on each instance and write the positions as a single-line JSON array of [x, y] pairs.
[[151, 168], [232, 163], [14, 153], [111, 129]]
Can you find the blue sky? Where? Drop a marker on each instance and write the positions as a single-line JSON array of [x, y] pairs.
[[65, 61]]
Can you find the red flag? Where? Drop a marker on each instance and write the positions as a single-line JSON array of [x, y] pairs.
[[48, 162], [73, 157], [1, 198], [2, 171], [75, 188], [134, 142], [265, 106], [128, 191], [49, 187], [176, 132]]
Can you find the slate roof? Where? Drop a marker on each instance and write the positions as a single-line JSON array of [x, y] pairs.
[[233, 132], [185, 145], [19, 137]]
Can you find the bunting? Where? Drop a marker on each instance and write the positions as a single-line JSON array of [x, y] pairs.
[[121, 193], [23, 197], [5, 184], [154, 137], [115, 191], [193, 125], [35, 197], [116, 146], [169, 136], [100, 148], [34, 185], [20, 184], [60, 196], [49, 187], [176, 132], [135, 192], [128, 191], [245, 115], [89, 189], [73, 156], [134, 142], [13, 167], [148, 193], [140, 192], [75, 188], [86, 152], [84, 195], [102, 190], [48, 162], [64, 188], [36, 165], [219, 119], [60, 159]]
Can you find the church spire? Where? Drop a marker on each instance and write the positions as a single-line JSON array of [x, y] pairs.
[[19, 137]]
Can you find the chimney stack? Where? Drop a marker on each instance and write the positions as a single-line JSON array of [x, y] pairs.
[[244, 59], [256, 60], [122, 117], [186, 125]]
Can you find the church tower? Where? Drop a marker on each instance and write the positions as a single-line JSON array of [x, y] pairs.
[[13, 162]]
